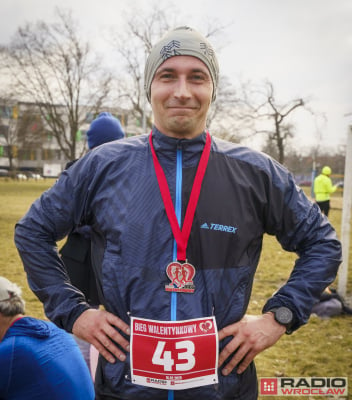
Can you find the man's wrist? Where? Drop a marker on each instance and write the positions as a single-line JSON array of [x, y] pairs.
[[283, 316]]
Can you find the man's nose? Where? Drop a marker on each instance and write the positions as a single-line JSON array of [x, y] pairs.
[[182, 89]]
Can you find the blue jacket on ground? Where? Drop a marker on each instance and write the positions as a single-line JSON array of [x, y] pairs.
[[244, 195], [39, 361]]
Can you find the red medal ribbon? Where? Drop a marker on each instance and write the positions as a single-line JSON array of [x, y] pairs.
[[181, 236]]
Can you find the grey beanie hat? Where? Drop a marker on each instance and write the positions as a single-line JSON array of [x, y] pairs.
[[182, 41]]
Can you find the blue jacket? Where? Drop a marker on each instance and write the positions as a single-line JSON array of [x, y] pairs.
[[39, 361], [244, 195]]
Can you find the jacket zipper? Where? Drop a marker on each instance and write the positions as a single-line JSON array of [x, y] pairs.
[[178, 208]]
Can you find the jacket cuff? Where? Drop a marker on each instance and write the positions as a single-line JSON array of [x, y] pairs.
[[74, 315], [276, 303]]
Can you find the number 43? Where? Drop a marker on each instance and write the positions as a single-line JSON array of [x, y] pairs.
[[164, 357]]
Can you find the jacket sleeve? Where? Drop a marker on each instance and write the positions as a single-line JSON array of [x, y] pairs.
[[331, 188], [48, 220], [301, 228]]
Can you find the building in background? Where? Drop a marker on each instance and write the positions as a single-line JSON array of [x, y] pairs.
[[28, 146]]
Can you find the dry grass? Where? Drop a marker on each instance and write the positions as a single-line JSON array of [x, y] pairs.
[[321, 348], [15, 199]]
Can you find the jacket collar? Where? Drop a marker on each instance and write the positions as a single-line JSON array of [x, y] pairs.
[[162, 142]]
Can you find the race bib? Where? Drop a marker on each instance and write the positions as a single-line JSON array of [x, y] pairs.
[[174, 354]]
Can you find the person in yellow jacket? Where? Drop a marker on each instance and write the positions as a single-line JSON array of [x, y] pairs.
[[323, 187]]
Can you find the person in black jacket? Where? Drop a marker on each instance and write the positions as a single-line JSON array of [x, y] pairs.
[[76, 252]]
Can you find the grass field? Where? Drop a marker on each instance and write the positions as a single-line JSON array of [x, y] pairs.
[[322, 348]]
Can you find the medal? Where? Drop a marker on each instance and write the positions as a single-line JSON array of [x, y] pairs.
[[180, 272], [181, 277]]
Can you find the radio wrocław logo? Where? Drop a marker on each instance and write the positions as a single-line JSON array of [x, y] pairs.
[[303, 386]]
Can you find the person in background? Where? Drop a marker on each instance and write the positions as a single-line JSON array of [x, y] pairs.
[[38, 361], [76, 252], [323, 188], [178, 218], [103, 129]]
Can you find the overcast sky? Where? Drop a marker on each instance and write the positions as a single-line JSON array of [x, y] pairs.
[[304, 47]]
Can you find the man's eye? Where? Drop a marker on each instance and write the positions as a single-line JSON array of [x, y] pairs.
[[166, 76], [197, 77]]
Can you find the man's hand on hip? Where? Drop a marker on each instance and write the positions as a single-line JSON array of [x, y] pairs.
[[251, 335], [98, 327]]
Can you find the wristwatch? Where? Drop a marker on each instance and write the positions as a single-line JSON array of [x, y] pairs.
[[283, 316]]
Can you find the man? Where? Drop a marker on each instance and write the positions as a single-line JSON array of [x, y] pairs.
[[38, 361], [178, 218], [323, 187]]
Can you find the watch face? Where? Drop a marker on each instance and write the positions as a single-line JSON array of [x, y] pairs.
[[284, 315]]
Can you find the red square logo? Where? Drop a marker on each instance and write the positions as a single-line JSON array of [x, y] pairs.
[[268, 386]]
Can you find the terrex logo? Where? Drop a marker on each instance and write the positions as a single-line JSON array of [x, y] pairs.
[[218, 227]]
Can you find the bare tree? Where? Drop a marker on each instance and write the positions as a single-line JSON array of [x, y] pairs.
[[278, 113], [259, 105], [7, 120], [8, 125], [51, 66], [30, 130], [227, 118], [278, 139]]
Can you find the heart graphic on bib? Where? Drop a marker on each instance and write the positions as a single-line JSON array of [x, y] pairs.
[[205, 326]]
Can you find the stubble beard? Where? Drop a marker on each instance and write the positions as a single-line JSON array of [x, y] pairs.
[[184, 127]]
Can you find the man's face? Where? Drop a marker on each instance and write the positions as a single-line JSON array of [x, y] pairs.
[[181, 94]]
